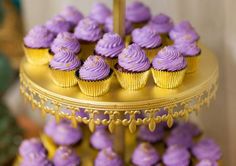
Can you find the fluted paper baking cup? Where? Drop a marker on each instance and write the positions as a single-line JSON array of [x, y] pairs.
[[87, 49], [167, 79], [192, 63], [36, 56], [132, 81]]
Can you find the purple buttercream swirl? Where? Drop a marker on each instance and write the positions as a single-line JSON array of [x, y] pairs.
[[187, 128], [180, 139], [134, 59], [207, 149], [146, 38], [65, 41], [36, 159], [71, 14], [50, 127], [88, 30], [66, 156], [39, 37], [100, 12], [170, 59], [188, 49], [101, 139], [94, 68], [207, 163], [146, 135], [137, 12], [107, 157], [111, 45], [65, 61], [186, 37], [145, 154], [176, 155]]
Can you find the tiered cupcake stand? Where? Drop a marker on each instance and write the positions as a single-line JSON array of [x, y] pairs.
[[122, 106]]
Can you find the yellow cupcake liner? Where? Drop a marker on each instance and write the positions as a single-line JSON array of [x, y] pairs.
[[168, 80], [49, 145], [87, 49], [151, 53], [95, 88], [62, 78], [36, 56], [128, 40], [132, 81], [192, 63]]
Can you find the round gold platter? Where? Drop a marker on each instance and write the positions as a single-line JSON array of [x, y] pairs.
[[121, 105]]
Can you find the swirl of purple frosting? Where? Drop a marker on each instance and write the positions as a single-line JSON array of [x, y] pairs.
[[162, 23], [50, 127], [100, 12], [207, 149], [101, 139], [36, 159], [66, 156], [188, 49], [65, 61], [58, 24], [108, 27], [65, 41], [207, 163], [88, 30], [134, 59], [145, 154], [169, 59], [110, 46], [94, 68], [107, 157], [187, 128], [39, 37], [146, 38], [176, 155], [186, 37], [71, 14], [137, 12], [146, 135], [180, 139]]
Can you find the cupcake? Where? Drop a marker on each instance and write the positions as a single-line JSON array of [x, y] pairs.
[[138, 13], [148, 40], [187, 128], [207, 149], [72, 15], [35, 159], [132, 69], [168, 68], [66, 156], [107, 157], [144, 134], [101, 139], [36, 45], [50, 127], [145, 154], [191, 52], [176, 155], [180, 139], [187, 38], [206, 162], [94, 77], [88, 32], [109, 47]]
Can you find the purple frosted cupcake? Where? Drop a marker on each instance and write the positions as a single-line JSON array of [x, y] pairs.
[[88, 32], [180, 139], [72, 15], [36, 45], [176, 155], [145, 154], [35, 159], [138, 13], [145, 134], [94, 77], [168, 68], [65, 156], [101, 139], [99, 13], [109, 47], [207, 149], [132, 69], [107, 157], [206, 162], [187, 128], [50, 127]]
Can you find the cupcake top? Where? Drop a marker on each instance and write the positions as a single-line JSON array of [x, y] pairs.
[[134, 59], [50, 127], [176, 155], [36, 159], [67, 135], [180, 139], [58, 24], [88, 30], [169, 59], [145, 154], [101, 139], [71, 14], [207, 149], [39, 37], [186, 37], [146, 38], [146, 135], [187, 128], [108, 157], [65, 61], [32, 146], [100, 12], [65, 41], [94, 68], [188, 49], [207, 163], [108, 27], [110, 46], [66, 156], [137, 12], [162, 23]]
